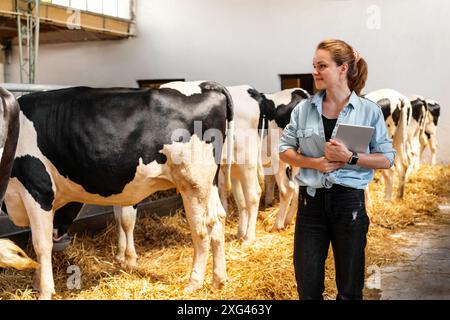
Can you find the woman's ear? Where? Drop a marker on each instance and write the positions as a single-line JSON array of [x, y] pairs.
[[344, 68], [343, 71]]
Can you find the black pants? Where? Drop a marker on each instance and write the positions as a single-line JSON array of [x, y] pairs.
[[337, 215]]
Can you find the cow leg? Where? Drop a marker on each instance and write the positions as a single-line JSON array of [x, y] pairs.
[[239, 198], [388, 177], [41, 223], [192, 168], [433, 146], [223, 193], [269, 190], [196, 213], [252, 194], [286, 192], [292, 208], [125, 220], [217, 240], [367, 197], [403, 173], [294, 201]]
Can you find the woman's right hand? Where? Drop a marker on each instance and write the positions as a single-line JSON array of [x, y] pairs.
[[325, 166]]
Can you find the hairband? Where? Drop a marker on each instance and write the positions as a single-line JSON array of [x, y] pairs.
[[356, 55]]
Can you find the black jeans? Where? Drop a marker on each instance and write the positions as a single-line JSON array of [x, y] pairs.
[[337, 215]]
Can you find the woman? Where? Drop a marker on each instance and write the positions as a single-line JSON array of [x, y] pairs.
[[331, 177]]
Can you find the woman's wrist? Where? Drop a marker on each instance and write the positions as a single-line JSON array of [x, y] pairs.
[[349, 156]]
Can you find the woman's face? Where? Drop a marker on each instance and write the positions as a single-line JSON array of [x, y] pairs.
[[326, 72]]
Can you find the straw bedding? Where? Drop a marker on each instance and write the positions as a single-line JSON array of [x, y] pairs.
[[263, 270]]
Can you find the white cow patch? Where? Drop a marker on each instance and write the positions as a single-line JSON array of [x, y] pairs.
[[186, 88]]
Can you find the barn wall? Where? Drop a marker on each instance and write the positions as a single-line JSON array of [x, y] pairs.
[[232, 41]]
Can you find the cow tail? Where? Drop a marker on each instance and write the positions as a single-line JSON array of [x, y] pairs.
[[10, 137], [210, 85]]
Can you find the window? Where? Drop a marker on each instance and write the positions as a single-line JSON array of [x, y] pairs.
[[114, 8], [304, 81]]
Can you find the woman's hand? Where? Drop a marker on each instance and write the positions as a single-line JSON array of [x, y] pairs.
[[336, 151], [326, 166]]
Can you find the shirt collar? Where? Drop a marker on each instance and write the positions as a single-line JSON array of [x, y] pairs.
[[317, 99]]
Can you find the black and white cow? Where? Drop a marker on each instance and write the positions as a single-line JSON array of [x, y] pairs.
[[404, 132], [276, 110], [11, 256], [428, 112], [116, 147], [254, 111], [416, 128], [9, 135]]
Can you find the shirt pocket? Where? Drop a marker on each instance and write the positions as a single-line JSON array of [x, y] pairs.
[[310, 143]]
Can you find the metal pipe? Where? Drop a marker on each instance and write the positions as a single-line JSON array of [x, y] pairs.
[[36, 40], [19, 31], [25, 87], [29, 48]]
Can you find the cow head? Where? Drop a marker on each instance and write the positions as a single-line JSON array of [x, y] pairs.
[[283, 112], [9, 135], [280, 113], [11, 256]]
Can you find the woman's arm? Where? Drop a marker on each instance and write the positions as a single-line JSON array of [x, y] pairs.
[[292, 157], [336, 151]]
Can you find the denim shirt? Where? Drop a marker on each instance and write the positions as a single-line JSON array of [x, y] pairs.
[[305, 134]]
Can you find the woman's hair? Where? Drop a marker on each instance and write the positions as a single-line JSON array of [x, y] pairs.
[[341, 52]]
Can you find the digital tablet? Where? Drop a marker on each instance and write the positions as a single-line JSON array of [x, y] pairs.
[[356, 138]]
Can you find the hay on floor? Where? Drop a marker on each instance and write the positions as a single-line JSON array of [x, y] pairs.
[[263, 270]]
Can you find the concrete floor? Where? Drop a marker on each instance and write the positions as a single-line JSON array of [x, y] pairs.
[[425, 273]]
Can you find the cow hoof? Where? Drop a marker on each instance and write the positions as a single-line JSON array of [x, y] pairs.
[[276, 229], [193, 287], [130, 263], [218, 284], [120, 258], [46, 294], [37, 282], [246, 242]]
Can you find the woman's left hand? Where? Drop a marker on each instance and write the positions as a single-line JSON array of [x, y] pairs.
[[336, 151]]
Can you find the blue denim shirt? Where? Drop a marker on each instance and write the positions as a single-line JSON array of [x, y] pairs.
[[305, 134]]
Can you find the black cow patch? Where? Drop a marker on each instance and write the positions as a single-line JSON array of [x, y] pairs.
[[396, 116], [266, 109], [289, 172], [31, 172], [418, 109], [282, 113], [435, 110], [64, 217], [385, 105], [95, 137]]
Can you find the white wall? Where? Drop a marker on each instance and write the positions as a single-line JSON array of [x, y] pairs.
[[252, 41]]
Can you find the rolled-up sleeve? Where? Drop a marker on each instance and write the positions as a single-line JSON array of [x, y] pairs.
[[289, 139], [381, 143]]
